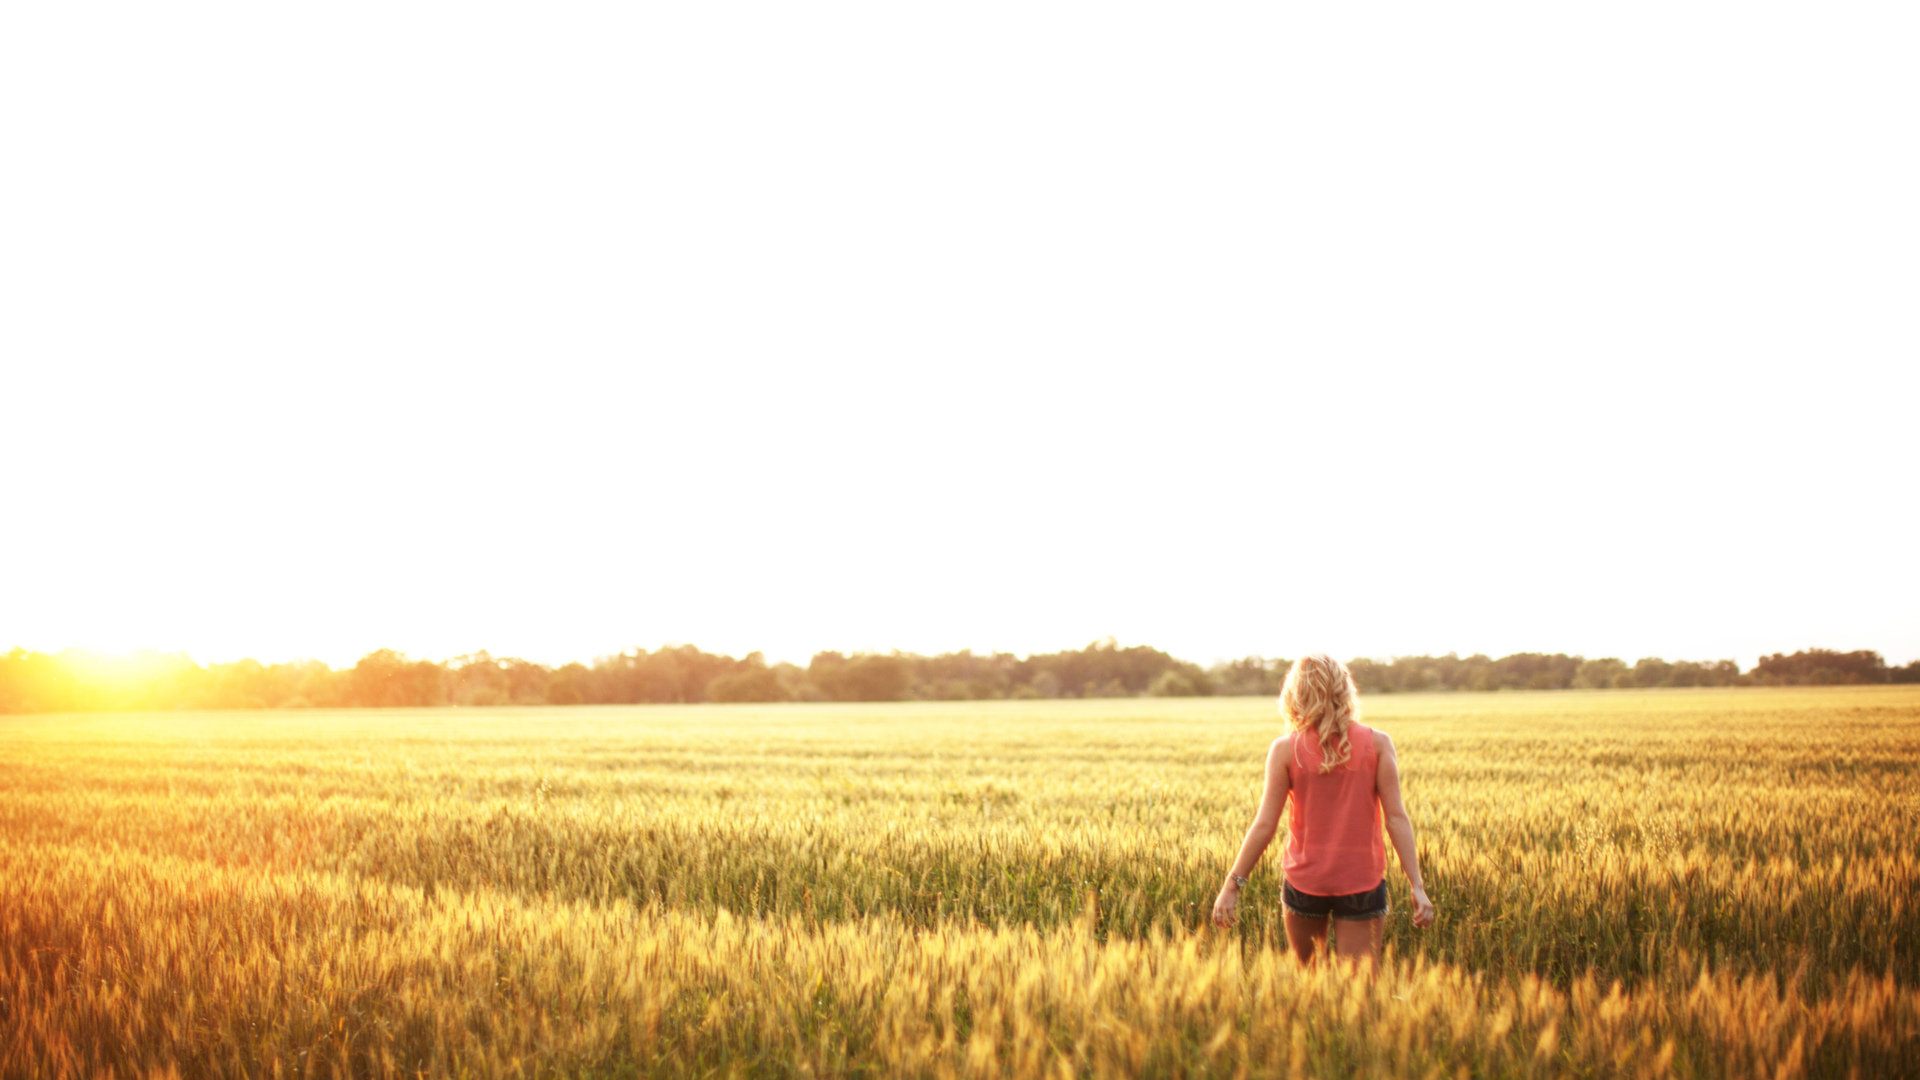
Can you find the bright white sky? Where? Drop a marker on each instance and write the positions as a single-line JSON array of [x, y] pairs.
[[1227, 329]]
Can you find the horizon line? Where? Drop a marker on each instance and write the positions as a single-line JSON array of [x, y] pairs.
[[1109, 641]]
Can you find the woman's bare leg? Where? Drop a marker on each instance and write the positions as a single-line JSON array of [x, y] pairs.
[[1308, 937], [1360, 940]]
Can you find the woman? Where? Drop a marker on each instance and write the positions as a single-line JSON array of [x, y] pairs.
[[1340, 776]]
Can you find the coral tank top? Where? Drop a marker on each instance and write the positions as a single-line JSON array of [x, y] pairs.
[[1334, 846]]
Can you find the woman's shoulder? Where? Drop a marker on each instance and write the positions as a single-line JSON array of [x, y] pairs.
[[1280, 753], [1382, 744]]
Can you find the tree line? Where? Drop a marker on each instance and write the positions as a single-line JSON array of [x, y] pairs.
[[1558, 671], [74, 681]]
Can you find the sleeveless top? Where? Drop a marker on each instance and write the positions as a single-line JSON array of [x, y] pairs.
[[1334, 846]]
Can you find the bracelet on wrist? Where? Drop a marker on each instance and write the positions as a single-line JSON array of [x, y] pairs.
[[1238, 881]]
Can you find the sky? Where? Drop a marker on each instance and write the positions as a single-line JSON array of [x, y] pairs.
[[557, 330]]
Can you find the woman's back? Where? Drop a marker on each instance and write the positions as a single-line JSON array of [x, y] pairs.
[[1334, 844], [1336, 858]]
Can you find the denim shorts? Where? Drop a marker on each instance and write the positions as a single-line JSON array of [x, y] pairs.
[[1358, 907]]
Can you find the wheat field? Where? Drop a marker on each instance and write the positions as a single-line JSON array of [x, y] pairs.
[[1684, 883]]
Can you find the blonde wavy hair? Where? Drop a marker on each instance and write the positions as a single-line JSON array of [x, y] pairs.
[[1319, 696]]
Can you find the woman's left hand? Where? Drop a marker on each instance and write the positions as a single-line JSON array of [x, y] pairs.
[[1226, 907]]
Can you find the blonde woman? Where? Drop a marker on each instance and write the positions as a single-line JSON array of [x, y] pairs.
[[1341, 779]]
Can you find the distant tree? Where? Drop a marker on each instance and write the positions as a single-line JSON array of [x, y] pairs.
[[1651, 671], [1176, 684], [823, 674], [793, 679], [1906, 673], [1102, 669], [243, 684], [1409, 674], [946, 690], [1517, 671], [313, 684], [567, 685], [963, 676], [1602, 674], [671, 673], [750, 680], [861, 677], [1696, 673], [876, 678], [1536, 671], [1369, 676], [526, 680], [477, 679], [1477, 672], [385, 678], [32, 682], [751, 684], [1253, 675], [1820, 667]]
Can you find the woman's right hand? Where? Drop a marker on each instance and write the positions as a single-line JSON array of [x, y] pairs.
[[1422, 909]]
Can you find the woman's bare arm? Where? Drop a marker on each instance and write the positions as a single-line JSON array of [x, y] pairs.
[[1400, 826], [1266, 821]]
